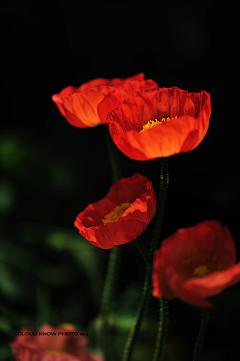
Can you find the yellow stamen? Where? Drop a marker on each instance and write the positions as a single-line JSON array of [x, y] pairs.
[[56, 353], [116, 213], [200, 266], [201, 271], [153, 123]]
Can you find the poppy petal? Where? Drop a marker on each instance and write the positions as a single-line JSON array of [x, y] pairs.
[[178, 135], [196, 263], [30, 345], [80, 109], [138, 191], [117, 96], [214, 283]]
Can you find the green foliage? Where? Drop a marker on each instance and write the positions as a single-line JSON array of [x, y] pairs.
[[48, 272]]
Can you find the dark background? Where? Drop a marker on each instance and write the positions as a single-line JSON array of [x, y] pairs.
[[50, 171]]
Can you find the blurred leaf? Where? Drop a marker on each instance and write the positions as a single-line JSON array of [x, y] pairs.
[[11, 154], [39, 166], [57, 240], [59, 178], [129, 298], [8, 285], [54, 275], [124, 322], [43, 307], [15, 317], [15, 156], [7, 197], [84, 253], [5, 326], [6, 353], [15, 255], [69, 240]]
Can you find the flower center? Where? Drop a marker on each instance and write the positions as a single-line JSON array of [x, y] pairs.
[[153, 123], [200, 266], [201, 271], [116, 213], [56, 353]]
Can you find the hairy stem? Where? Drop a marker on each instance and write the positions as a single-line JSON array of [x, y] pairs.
[[107, 298], [137, 322], [201, 334], [143, 251], [161, 329], [164, 180], [163, 319], [112, 270]]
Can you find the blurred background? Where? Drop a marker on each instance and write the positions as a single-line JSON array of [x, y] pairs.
[[50, 171]]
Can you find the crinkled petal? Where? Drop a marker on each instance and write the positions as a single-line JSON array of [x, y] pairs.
[[108, 82], [176, 284], [137, 190], [205, 241], [117, 96], [80, 109], [214, 283], [168, 284], [178, 135], [206, 238], [109, 235], [161, 287]]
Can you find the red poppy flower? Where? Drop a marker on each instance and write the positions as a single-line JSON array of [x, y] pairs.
[[156, 122], [196, 263], [50, 347], [121, 216], [80, 106]]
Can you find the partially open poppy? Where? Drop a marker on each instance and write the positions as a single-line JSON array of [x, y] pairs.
[[52, 344], [121, 216], [80, 106], [196, 263], [160, 122]]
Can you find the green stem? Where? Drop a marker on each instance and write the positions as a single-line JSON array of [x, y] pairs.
[[108, 285], [107, 298], [162, 329], [163, 319], [164, 180], [137, 322], [114, 259], [201, 334], [143, 251]]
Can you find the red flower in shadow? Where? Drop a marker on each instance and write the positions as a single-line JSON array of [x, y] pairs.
[[160, 122], [59, 347], [88, 105], [121, 216], [196, 263]]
